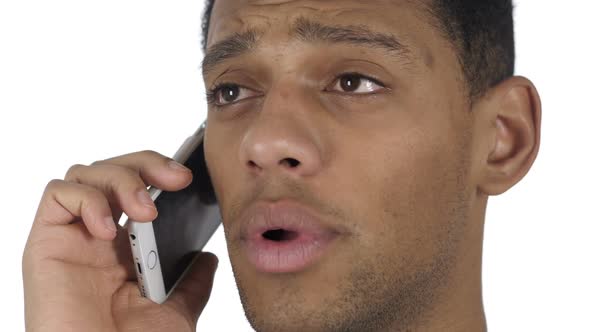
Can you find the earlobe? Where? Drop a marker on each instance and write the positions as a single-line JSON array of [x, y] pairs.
[[516, 109]]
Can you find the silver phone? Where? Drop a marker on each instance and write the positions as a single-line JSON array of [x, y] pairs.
[[164, 249]]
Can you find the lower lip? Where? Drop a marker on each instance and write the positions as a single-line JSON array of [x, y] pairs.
[[286, 256]]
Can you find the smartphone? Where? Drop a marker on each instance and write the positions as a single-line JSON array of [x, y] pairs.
[[163, 250]]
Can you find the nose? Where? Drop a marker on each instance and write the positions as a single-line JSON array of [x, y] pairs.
[[277, 143]]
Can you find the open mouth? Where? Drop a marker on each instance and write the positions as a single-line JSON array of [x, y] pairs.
[[279, 249], [280, 235], [283, 237]]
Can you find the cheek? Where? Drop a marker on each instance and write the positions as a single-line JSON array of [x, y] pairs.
[[407, 181]]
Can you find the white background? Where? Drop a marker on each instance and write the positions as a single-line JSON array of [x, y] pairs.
[[86, 80]]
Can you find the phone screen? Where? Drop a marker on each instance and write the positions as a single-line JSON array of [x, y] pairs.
[[186, 220]]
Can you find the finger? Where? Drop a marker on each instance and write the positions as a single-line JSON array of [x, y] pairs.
[[73, 243], [64, 202], [192, 294], [155, 169], [122, 186]]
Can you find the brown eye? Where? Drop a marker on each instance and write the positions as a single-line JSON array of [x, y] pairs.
[[356, 84], [349, 83], [228, 94]]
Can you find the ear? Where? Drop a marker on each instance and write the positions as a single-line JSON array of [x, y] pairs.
[[509, 130]]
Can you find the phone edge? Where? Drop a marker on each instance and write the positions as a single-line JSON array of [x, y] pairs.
[[151, 281]]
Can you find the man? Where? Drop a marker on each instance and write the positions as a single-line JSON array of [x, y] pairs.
[[352, 146]]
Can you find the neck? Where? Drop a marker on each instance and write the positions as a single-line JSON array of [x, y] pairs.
[[460, 307]]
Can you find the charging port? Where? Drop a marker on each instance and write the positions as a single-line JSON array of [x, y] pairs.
[[139, 268]]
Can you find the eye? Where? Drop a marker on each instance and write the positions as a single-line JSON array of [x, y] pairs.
[[356, 84], [228, 93]]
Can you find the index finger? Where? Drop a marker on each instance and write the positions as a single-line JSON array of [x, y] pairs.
[[152, 167]]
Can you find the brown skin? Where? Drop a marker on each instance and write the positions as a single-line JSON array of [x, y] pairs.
[[405, 171], [78, 274]]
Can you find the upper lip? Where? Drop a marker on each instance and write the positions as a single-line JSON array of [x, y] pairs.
[[286, 215]]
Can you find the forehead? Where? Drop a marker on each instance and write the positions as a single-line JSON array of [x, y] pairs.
[[407, 20]]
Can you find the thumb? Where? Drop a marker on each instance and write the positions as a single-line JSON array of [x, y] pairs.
[[192, 294]]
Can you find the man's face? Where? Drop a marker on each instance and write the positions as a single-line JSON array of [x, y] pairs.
[[355, 113]]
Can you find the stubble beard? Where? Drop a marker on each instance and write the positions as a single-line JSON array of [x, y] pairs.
[[380, 293], [371, 298]]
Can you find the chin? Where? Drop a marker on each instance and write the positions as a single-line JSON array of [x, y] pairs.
[[309, 300]]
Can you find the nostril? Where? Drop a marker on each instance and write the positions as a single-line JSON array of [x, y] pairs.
[[291, 162]]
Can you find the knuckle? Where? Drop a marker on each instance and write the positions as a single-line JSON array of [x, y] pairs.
[[93, 195], [124, 173], [151, 154], [90, 194], [97, 162], [128, 172], [73, 172], [148, 152], [92, 200], [122, 178], [114, 170], [53, 185]]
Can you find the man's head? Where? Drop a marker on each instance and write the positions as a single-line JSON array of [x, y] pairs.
[[352, 146]]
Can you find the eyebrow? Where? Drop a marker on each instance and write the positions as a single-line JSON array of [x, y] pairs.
[[232, 46], [311, 32]]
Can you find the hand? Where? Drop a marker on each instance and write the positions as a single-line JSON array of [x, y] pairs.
[[77, 266]]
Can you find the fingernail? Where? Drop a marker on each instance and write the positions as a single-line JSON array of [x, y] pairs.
[[177, 166], [109, 224], [145, 199]]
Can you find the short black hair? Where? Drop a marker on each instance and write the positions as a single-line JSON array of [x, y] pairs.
[[481, 32]]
